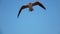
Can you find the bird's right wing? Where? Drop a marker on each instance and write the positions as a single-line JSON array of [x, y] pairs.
[[40, 4], [23, 7]]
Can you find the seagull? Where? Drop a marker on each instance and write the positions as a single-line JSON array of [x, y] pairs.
[[30, 5]]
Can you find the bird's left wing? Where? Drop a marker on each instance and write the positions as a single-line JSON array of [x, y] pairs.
[[23, 7], [38, 3]]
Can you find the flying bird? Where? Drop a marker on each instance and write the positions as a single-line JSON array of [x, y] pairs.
[[30, 5]]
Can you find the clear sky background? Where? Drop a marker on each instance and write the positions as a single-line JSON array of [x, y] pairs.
[[39, 21]]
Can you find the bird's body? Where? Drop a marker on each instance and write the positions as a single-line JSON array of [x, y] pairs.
[[30, 6]]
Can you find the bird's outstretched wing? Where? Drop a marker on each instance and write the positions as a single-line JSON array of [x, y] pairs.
[[23, 7], [40, 4]]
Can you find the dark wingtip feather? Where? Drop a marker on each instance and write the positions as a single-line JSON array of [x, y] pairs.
[[18, 15], [44, 8]]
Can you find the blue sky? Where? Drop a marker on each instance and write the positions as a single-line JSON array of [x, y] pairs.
[[39, 21]]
